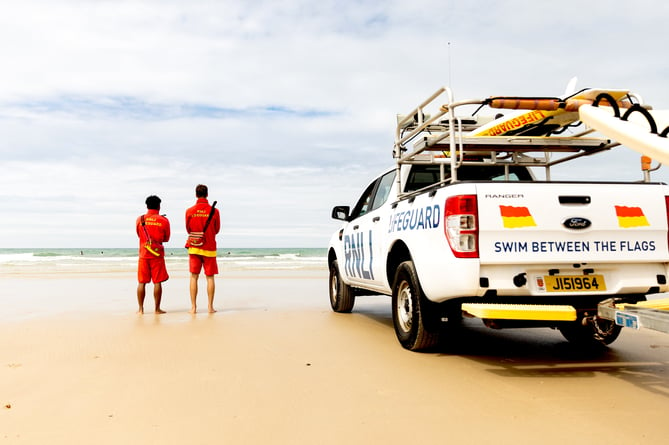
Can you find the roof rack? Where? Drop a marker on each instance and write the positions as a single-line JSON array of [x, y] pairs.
[[446, 139]]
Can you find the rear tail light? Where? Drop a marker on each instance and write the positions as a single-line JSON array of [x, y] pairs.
[[461, 225]]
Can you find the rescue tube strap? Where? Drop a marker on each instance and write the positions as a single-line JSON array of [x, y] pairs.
[[196, 239], [149, 243]]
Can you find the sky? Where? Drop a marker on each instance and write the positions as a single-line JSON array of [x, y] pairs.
[[283, 108]]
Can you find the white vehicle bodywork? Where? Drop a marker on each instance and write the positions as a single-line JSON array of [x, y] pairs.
[[467, 215]]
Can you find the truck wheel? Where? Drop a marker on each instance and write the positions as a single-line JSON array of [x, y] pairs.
[[342, 297], [417, 327], [599, 332]]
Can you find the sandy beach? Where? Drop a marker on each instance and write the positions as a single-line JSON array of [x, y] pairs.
[[276, 365]]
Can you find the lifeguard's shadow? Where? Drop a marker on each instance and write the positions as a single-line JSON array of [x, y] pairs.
[[542, 352]]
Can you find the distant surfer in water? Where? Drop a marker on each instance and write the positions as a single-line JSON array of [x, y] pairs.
[[153, 230]]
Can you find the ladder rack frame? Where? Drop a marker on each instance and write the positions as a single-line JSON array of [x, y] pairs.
[[443, 139]]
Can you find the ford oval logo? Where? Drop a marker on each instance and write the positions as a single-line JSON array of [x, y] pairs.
[[576, 223]]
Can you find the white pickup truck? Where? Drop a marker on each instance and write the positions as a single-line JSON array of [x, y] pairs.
[[469, 223]]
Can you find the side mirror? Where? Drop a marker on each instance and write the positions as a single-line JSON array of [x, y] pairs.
[[341, 212]]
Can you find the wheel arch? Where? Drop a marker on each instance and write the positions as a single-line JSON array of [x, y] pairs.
[[332, 255], [398, 253]]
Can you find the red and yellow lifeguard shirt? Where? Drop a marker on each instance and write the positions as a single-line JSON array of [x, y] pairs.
[[158, 228], [196, 217]]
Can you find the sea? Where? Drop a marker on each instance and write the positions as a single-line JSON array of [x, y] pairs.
[[87, 260]]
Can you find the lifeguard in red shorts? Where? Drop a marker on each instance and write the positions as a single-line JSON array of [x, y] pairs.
[[153, 230], [202, 249]]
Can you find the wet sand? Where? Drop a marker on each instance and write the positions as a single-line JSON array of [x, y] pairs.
[[276, 365]]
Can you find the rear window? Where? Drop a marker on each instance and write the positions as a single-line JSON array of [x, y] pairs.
[[422, 176]]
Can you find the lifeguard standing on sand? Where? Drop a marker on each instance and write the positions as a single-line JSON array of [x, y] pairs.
[[203, 222], [153, 230]]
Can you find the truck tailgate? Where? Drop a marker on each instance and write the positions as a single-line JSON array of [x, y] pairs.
[[567, 222]]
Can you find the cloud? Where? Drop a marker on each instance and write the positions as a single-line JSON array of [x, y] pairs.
[[283, 108], [134, 108]]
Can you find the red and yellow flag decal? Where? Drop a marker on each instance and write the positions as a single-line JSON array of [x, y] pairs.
[[514, 217], [631, 217]]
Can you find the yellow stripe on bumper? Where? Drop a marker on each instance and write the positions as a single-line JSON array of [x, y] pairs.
[[521, 311]]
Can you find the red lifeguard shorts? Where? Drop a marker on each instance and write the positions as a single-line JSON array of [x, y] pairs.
[[152, 269], [195, 263]]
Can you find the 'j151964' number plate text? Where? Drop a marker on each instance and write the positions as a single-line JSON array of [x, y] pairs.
[[572, 283]]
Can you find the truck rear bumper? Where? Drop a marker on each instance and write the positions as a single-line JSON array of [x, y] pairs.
[[553, 282], [576, 279]]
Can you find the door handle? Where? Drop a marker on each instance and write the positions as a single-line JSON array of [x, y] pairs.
[[376, 219], [574, 199], [356, 227]]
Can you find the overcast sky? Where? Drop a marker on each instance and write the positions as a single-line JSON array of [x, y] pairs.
[[283, 108]]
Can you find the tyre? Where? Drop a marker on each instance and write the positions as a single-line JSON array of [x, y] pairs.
[[342, 297], [416, 326], [597, 333]]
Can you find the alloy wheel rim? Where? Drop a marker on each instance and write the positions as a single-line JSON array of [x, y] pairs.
[[404, 307], [334, 286]]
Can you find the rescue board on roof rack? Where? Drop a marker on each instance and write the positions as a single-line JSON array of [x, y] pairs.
[[541, 116]]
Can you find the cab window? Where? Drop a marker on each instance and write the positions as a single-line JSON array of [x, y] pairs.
[[375, 195], [422, 176], [362, 206], [383, 190]]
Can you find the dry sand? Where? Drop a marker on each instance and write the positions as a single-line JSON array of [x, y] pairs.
[[275, 365]]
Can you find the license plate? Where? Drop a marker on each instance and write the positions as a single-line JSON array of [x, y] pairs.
[[573, 283]]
